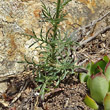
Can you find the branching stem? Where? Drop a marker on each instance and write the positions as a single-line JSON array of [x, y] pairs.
[[55, 29]]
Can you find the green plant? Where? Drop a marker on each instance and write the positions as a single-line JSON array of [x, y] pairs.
[[98, 82], [56, 61]]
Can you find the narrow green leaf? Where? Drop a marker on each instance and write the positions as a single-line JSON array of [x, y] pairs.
[[42, 91], [32, 44], [57, 83], [21, 62], [40, 80], [39, 87]]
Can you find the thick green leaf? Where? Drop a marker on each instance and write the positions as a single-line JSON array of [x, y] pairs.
[[88, 82], [106, 102], [101, 63], [107, 71], [83, 77], [89, 68], [90, 102], [99, 86], [106, 59]]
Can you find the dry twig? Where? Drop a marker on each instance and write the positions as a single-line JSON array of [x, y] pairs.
[[95, 21], [82, 30], [94, 36], [19, 94]]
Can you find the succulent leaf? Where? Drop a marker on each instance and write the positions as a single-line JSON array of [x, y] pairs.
[[98, 81], [107, 71], [83, 77], [106, 59], [101, 63], [106, 102], [99, 86], [89, 68], [90, 102], [88, 82]]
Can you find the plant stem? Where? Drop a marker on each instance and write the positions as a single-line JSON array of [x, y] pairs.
[[57, 16], [55, 29]]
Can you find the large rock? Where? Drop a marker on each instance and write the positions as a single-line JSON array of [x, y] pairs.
[[20, 16]]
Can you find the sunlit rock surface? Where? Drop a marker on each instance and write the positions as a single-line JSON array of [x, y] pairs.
[[21, 16]]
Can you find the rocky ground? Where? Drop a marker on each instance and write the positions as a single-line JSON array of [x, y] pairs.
[[69, 95], [18, 91]]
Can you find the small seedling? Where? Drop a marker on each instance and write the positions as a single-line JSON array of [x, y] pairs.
[[56, 61]]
